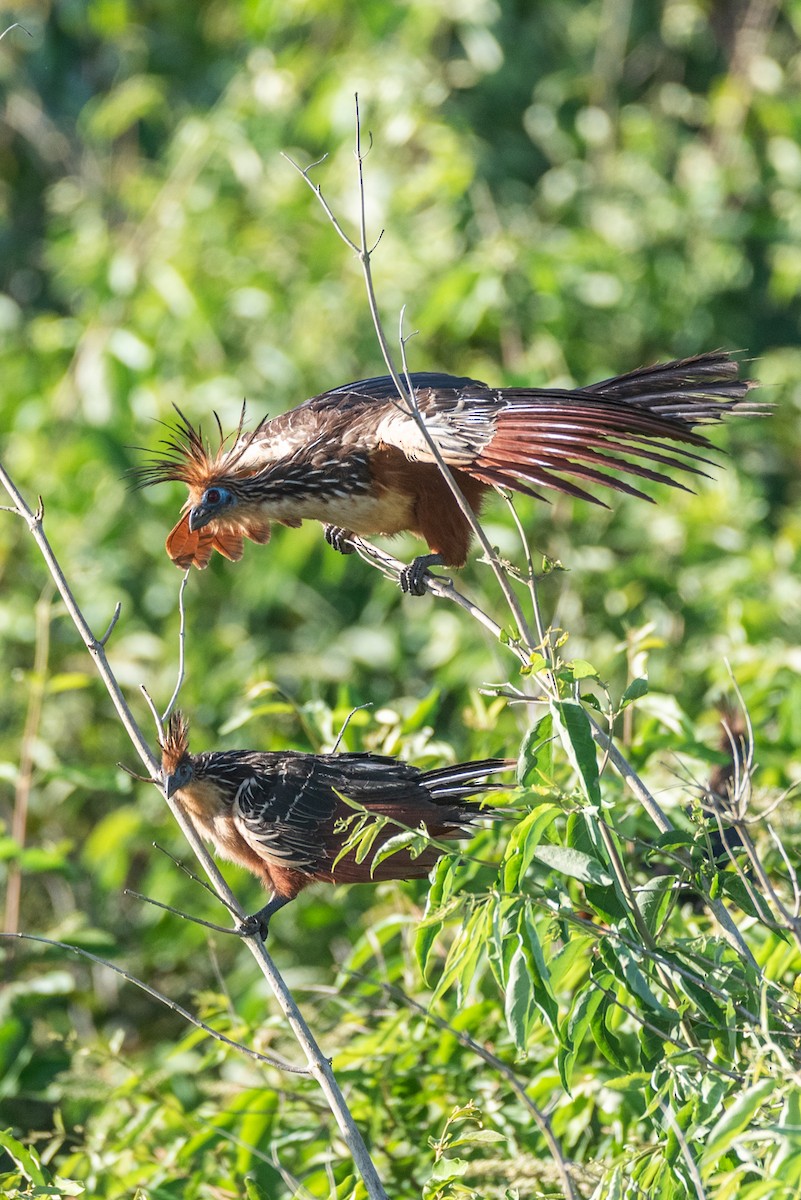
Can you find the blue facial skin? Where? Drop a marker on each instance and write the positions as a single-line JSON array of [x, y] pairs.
[[213, 501]]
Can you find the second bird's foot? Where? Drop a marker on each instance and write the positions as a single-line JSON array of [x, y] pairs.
[[340, 539], [412, 579]]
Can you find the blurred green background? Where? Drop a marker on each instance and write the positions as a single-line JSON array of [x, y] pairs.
[[566, 190]]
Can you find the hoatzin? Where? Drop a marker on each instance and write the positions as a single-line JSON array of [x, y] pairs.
[[276, 813], [355, 459]]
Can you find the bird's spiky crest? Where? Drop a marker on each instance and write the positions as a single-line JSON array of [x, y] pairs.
[[187, 458], [175, 745]]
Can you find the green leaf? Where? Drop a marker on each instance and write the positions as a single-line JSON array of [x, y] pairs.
[[674, 839], [410, 839], [683, 1119], [573, 725], [653, 899], [480, 1136], [464, 952], [748, 899], [539, 972], [449, 1168], [523, 843], [605, 1040], [636, 689], [26, 1160], [429, 928], [518, 999], [737, 1118], [582, 669], [574, 863], [535, 762], [621, 961], [575, 1029]]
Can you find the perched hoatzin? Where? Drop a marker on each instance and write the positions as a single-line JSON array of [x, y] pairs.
[[355, 459], [276, 813]]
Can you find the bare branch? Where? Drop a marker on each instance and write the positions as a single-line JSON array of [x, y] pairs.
[[272, 1060], [16, 25], [346, 723], [154, 712], [181, 647], [228, 930], [319, 1065], [115, 616]]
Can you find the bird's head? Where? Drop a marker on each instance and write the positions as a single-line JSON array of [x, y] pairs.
[[215, 515], [177, 766], [215, 501]]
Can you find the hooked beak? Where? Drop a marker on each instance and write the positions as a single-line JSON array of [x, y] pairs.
[[198, 517], [168, 783]]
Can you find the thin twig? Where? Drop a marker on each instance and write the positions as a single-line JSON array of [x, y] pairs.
[[16, 25], [346, 723], [438, 586], [115, 616], [176, 912], [181, 647], [154, 712], [232, 908], [272, 1060]]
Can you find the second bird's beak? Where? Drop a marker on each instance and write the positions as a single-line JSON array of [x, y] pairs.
[[198, 517], [168, 783]]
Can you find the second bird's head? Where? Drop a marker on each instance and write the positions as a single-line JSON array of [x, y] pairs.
[[177, 767]]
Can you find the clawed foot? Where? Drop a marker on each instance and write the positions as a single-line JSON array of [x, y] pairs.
[[259, 922], [412, 579], [254, 924], [340, 539]]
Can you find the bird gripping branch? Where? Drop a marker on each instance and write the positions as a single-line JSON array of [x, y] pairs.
[[355, 459], [277, 813]]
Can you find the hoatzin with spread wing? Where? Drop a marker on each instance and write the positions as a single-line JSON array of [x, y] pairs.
[[276, 812], [355, 459]]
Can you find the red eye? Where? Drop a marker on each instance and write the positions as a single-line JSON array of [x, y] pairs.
[[213, 496]]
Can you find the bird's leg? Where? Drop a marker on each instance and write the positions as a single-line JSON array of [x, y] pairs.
[[339, 538], [259, 922], [412, 578]]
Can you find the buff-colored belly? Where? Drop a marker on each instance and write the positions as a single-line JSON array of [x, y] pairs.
[[389, 512]]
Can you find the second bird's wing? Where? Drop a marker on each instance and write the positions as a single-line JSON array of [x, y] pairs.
[[286, 808]]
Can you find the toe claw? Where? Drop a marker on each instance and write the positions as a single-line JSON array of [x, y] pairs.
[[412, 582], [412, 579], [340, 539]]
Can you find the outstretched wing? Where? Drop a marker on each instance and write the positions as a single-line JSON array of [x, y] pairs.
[[636, 424]]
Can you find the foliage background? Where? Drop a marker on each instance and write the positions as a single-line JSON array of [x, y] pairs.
[[566, 190]]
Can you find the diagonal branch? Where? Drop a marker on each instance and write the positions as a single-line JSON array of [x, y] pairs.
[[319, 1066]]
